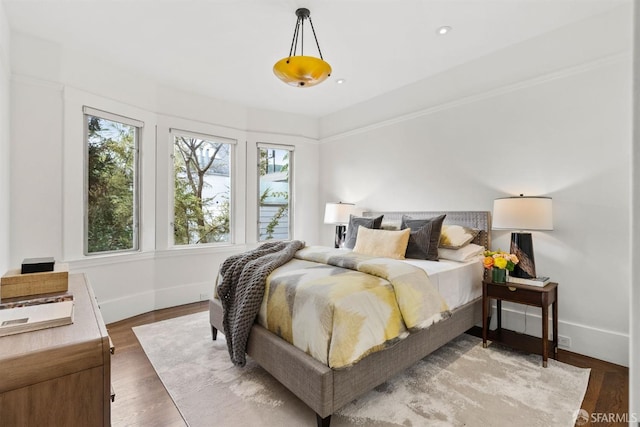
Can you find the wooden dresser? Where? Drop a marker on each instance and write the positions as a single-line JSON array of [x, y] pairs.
[[59, 376]]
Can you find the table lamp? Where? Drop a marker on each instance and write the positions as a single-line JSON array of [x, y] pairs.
[[338, 214], [524, 214]]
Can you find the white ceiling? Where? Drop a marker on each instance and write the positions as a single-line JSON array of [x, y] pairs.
[[226, 48]]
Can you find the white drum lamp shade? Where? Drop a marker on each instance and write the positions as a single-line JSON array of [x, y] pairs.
[[338, 213], [523, 214]]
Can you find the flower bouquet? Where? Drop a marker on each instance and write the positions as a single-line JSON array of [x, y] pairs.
[[499, 263]]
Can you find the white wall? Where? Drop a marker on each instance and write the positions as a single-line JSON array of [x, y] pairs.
[[50, 85], [564, 134], [5, 73], [634, 301]]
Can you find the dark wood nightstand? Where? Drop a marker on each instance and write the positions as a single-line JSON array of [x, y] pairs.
[[522, 294]]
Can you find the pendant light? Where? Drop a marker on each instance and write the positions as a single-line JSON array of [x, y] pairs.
[[301, 70]]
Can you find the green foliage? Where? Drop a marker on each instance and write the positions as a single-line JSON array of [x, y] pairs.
[[199, 219], [275, 220], [267, 164], [111, 215], [111, 186]]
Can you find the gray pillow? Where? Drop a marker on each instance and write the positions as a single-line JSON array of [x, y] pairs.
[[424, 238], [352, 229]]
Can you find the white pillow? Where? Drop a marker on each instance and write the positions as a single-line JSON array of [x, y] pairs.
[[464, 254], [456, 236]]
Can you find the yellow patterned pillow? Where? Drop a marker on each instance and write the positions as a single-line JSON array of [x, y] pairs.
[[383, 243], [456, 236]]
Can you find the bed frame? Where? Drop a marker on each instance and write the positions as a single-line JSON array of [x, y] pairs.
[[326, 390]]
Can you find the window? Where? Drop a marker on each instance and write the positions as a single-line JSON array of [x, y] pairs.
[[111, 210], [202, 188], [274, 198]]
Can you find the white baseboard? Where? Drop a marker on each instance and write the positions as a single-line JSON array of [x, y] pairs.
[[132, 305], [128, 306], [601, 344], [185, 294]]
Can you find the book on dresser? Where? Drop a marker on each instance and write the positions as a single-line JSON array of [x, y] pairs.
[[36, 313], [535, 281]]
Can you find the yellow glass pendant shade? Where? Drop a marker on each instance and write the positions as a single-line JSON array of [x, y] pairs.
[[302, 71]]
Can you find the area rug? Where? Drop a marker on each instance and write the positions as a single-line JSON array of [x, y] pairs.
[[461, 384]]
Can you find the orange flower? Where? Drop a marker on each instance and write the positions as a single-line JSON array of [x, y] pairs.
[[488, 262]]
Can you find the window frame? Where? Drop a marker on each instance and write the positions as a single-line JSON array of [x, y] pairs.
[[139, 126], [173, 132], [291, 149]]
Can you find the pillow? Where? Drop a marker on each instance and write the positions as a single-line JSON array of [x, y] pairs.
[[390, 244], [456, 236], [425, 235], [352, 228], [391, 225], [464, 254]]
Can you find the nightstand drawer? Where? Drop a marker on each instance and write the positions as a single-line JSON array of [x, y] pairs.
[[507, 293]]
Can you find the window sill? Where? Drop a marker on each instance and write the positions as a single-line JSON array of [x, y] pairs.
[[120, 258], [199, 250]]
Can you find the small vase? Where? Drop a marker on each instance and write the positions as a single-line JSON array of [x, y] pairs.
[[498, 275]]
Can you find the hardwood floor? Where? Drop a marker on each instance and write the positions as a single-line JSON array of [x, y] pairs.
[[608, 390], [607, 394], [141, 399]]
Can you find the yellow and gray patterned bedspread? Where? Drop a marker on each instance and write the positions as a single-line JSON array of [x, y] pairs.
[[340, 306]]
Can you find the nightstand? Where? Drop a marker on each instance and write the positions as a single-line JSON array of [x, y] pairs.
[[523, 294]]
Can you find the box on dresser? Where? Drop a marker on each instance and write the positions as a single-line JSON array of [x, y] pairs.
[[14, 284], [37, 265]]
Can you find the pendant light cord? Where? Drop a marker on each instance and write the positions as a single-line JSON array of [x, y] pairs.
[[294, 41], [297, 32], [316, 38]]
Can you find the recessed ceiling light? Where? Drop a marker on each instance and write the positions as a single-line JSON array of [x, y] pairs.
[[443, 30], [340, 81]]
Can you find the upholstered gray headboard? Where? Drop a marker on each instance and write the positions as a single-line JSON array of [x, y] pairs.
[[480, 220]]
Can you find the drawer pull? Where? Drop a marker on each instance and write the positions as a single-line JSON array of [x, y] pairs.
[[512, 289]]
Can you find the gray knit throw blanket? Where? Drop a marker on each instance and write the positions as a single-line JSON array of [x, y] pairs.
[[242, 289]]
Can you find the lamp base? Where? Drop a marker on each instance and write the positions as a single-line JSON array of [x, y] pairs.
[[341, 233], [522, 247]]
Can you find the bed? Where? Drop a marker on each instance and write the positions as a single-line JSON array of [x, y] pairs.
[[326, 390]]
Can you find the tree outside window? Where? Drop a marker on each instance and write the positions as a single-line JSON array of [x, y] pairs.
[[202, 190], [111, 210], [274, 198]]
